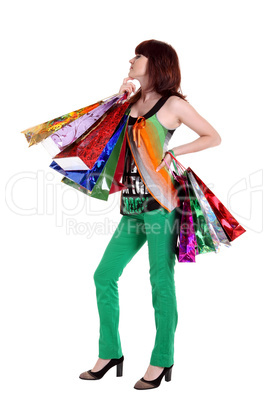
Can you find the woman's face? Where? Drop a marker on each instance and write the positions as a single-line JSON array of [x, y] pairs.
[[138, 66]]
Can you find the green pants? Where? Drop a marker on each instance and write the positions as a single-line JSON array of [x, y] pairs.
[[160, 229]]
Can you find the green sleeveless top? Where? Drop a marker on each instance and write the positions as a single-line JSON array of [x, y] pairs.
[[136, 198]]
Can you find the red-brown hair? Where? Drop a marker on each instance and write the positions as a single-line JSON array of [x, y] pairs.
[[163, 69]]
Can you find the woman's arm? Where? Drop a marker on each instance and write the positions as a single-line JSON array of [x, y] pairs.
[[183, 112], [186, 114]]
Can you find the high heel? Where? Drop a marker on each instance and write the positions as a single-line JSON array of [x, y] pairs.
[[145, 384], [97, 375], [119, 370], [168, 375]]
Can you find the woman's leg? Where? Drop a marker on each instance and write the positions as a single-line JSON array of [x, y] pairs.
[[127, 239], [162, 228]]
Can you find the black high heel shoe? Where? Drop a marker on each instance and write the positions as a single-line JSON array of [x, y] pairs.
[[145, 384], [97, 375]]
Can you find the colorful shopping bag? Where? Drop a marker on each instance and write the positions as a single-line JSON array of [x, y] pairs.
[[83, 154], [231, 226], [98, 132], [88, 178], [104, 185], [36, 134], [217, 233], [212, 222], [186, 247], [70, 132]]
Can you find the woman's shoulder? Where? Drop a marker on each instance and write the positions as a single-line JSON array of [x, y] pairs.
[[175, 101], [169, 112], [177, 106]]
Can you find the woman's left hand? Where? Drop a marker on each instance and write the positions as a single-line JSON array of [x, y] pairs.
[[168, 159]]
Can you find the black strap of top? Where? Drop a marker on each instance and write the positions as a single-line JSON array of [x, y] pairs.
[[155, 108]]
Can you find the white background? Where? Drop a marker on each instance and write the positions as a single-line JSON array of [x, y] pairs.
[[58, 56]]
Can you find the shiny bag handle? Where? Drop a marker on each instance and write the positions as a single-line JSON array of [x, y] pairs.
[[179, 168], [180, 176]]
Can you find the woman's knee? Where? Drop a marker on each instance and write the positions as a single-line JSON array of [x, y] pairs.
[[96, 276], [106, 274], [100, 275]]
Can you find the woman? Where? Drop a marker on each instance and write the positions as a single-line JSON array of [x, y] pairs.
[[158, 104]]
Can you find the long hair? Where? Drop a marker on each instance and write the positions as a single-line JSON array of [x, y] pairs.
[[163, 69]]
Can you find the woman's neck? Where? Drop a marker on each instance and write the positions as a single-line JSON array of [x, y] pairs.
[[149, 96]]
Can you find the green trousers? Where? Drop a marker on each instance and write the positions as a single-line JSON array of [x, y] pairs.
[[160, 229]]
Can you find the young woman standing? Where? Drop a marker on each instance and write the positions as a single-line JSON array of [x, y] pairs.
[[147, 202]]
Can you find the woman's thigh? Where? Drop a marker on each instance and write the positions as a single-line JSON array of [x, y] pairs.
[[162, 229], [126, 241]]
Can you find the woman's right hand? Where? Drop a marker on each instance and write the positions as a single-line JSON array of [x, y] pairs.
[[129, 87]]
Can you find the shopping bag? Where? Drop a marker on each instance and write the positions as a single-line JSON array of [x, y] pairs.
[[186, 246], [217, 233], [230, 225], [195, 237], [70, 132], [104, 184], [83, 153], [204, 240], [99, 132], [88, 178], [212, 222], [36, 134]]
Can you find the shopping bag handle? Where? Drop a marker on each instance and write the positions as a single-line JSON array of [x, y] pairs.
[[171, 153], [180, 169], [174, 175], [180, 177]]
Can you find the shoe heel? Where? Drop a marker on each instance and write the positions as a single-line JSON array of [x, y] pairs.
[[119, 370], [168, 375]]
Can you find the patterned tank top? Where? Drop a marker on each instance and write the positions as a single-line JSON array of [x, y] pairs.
[[136, 198]]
